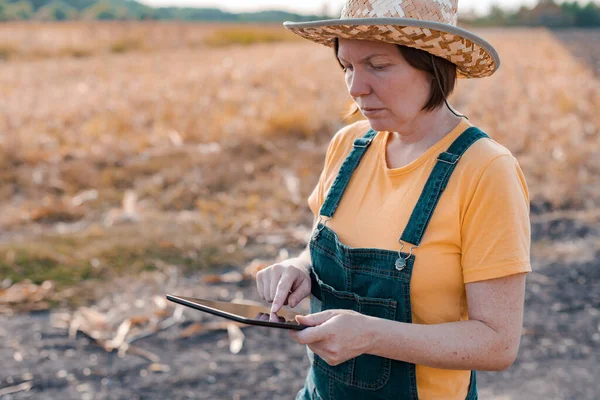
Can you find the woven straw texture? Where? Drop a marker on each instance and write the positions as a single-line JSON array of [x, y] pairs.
[[471, 59], [443, 11]]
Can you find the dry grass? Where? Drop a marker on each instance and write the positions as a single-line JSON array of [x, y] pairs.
[[7, 52], [101, 252], [544, 108], [231, 140], [34, 41], [580, 42], [243, 35], [126, 45]]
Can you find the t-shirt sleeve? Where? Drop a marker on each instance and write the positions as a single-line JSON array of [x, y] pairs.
[[496, 228], [317, 197]]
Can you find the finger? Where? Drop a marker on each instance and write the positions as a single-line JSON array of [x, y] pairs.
[[282, 292], [263, 317], [272, 290], [299, 293], [275, 318], [260, 286], [315, 319], [310, 335], [294, 334]]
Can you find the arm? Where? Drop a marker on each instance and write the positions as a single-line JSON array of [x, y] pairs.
[[495, 237], [305, 255], [488, 341], [287, 282]]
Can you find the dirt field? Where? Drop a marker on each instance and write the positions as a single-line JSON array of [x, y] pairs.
[[141, 168], [557, 360], [583, 44]]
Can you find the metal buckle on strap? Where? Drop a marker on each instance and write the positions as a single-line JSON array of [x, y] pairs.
[[362, 142], [401, 262], [317, 231], [448, 158]]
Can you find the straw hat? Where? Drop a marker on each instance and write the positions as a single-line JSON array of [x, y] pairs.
[[428, 25]]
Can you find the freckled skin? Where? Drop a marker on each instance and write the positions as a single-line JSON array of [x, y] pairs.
[[489, 341]]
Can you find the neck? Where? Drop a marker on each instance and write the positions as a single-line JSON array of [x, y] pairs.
[[427, 128]]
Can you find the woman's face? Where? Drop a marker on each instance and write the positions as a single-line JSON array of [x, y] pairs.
[[389, 91]]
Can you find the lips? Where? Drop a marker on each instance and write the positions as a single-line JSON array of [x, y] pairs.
[[371, 111]]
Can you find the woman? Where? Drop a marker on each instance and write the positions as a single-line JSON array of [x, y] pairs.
[[416, 268]]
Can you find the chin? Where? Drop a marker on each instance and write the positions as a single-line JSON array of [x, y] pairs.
[[378, 124]]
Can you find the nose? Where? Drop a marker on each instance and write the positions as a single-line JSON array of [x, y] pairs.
[[357, 84]]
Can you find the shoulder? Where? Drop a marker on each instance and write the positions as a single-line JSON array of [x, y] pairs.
[[490, 167], [487, 152]]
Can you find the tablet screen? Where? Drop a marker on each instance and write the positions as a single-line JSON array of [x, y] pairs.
[[251, 314]]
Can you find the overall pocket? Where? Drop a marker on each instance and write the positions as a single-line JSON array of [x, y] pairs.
[[365, 371]]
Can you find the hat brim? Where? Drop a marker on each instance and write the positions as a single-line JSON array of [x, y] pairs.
[[473, 56]]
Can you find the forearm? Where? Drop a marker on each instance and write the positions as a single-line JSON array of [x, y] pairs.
[[305, 255], [306, 260], [464, 345]]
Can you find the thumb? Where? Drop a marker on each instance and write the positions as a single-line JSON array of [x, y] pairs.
[[315, 319]]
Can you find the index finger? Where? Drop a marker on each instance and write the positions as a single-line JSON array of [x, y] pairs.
[[283, 291]]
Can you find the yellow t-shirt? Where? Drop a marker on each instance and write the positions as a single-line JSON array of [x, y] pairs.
[[480, 229]]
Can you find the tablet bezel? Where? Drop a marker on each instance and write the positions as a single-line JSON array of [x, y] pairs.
[[233, 317]]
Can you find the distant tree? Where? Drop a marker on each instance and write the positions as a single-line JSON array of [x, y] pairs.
[[59, 14], [497, 15], [571, 8], [588, 16], [104, 10], [79, 5], [523, 16], [100, 10], [165, 13], [204, 14], [34, 4], [548, 13], [20, 10], [56, 11], [129, 9], [148, 14]]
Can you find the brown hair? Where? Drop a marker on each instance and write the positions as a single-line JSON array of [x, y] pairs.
[[422, 60]]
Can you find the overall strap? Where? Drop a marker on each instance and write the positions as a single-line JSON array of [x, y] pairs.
[[334, 196], [435, 185]]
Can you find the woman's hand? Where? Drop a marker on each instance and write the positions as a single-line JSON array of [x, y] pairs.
[[335, 335], [285, 283]]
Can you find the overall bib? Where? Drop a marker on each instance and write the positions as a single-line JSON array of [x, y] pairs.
[[374, 282]]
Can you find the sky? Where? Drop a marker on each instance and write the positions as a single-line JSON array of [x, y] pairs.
[[316, 6]]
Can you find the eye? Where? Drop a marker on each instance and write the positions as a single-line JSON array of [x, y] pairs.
[[348, 68], [378, 67]]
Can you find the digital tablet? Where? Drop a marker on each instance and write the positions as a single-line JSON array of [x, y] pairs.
[[244, 313]]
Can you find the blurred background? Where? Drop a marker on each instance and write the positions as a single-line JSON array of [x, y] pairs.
[[169, 146]]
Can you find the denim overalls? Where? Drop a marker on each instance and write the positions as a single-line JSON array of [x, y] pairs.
[[374, 282]]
